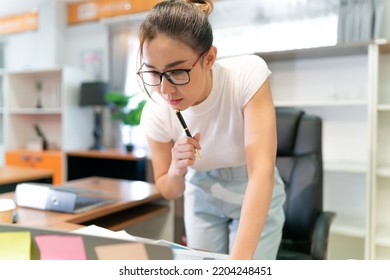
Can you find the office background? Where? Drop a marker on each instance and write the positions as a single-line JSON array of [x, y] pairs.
[[297, 38]]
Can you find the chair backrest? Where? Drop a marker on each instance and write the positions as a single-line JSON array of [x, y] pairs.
[[299, 160]]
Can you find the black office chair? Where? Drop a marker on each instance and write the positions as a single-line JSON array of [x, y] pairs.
[[299, 160]]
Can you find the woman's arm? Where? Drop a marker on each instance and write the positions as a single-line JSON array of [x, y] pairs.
[[170, 162], [260, 148]]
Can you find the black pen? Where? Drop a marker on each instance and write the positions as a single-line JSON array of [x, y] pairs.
[[187, 131]]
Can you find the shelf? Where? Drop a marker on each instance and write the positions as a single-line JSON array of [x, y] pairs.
[[348, 225], [319, 52], [346, 85], [35, 111], [383, 171], [37, 72], [321, 103], [58, 116], [109, 154], [384, 107], [383, 237], [346, 167]]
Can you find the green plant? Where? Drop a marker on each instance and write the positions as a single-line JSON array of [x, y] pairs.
[[119, 102], [41, 135], [39, 132], [38, 85]]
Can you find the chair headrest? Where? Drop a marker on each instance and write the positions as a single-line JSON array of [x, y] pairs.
[[287, 121]]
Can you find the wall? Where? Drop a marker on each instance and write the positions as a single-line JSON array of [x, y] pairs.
[[237, 29], [55, 43], [386, 20], [84, 39], [41, 48]]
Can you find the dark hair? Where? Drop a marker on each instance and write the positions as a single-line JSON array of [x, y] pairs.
[[183, 20]]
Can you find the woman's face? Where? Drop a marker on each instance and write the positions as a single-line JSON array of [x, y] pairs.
[[165, 54]]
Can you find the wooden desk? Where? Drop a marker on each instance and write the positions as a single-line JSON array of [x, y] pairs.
[[109, 163], [10, 176], [135, 203]]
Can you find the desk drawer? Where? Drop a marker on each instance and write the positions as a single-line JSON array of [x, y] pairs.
[[41, 160]]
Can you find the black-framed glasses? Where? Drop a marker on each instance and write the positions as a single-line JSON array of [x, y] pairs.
[[177, 77]]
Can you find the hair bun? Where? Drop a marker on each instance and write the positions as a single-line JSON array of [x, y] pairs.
[[206, 6]]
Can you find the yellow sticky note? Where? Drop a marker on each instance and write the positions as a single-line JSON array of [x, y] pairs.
[[15, 245]]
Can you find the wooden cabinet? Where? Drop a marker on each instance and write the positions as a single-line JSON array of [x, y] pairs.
[[54, 107], [50, 160], [348, 87], [108, 163]]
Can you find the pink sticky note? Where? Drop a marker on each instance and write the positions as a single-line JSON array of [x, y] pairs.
[[61, 247]]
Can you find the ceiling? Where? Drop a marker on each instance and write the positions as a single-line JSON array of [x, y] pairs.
[[15, 7]]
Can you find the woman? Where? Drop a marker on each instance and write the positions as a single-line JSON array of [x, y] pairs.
[[233, 195]]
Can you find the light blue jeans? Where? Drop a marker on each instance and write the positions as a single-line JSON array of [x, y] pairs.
[[212, 207]]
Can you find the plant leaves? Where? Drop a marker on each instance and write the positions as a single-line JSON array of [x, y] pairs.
[[120, 102]]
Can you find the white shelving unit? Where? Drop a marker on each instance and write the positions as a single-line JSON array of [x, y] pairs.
[[59, 115], [341, 84], [67, 126], [380, 194]]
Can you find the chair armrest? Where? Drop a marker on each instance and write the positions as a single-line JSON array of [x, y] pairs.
[[319, 246]]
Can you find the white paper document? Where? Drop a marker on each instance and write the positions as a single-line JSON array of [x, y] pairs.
[[180, 252]]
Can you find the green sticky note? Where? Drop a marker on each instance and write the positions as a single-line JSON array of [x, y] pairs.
[[15, 245]]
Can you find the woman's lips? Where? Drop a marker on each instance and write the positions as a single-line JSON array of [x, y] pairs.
[[174, 102]]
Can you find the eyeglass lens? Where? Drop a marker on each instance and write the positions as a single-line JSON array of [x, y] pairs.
[[177, 77]]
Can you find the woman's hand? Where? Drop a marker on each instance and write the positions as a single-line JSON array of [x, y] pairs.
[[184, 154]]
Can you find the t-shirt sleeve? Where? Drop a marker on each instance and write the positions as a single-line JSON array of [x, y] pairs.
[[155, 120], [254, 73]]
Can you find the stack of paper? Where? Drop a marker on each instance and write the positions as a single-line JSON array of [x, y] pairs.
[[180, 252]]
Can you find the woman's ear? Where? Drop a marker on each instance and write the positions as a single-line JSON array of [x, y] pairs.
[[211, 57]]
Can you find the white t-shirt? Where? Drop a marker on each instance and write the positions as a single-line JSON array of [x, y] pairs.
[[219, 119]]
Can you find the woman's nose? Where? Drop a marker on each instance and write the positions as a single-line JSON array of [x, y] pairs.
[[166, 87]]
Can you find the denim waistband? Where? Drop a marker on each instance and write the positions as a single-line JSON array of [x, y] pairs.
[[229, 173]]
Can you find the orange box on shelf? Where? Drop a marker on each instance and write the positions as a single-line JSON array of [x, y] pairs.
[[94, 10], [48, 160]]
